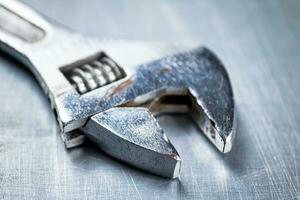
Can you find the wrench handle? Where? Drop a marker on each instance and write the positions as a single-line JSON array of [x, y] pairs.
[[21, 28]]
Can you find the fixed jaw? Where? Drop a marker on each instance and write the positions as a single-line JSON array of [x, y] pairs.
[[108, 89]]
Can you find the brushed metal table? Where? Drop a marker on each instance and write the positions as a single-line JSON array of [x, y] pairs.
[[259, 42]]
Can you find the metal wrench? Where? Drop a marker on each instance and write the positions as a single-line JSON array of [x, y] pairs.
[[110, 90]]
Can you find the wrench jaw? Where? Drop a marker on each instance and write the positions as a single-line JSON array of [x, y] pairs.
[[184, 101], [134, 136], [221, 137], [201, 78]]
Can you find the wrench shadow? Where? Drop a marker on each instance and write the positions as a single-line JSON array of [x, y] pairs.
[[234, 161], [89, 157]]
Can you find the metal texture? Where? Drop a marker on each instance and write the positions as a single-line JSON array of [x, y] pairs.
[[72, 82], [259, 43], [134, 136]]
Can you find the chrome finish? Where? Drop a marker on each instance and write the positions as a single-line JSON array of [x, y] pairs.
[[134, 136], [88, 91]]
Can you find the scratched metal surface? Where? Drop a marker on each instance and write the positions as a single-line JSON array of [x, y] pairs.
[[259, 42]]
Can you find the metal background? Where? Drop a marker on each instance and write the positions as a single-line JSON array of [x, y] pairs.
[[259, 42]]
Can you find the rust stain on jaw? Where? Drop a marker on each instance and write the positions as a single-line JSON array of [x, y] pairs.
[[164, 69], [174, 155], [120, 87], [150, 116]]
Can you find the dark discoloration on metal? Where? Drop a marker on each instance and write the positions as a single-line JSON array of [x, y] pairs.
[[119, 87], [164, 69]]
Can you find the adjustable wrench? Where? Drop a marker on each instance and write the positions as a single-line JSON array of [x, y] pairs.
[[110, 91]]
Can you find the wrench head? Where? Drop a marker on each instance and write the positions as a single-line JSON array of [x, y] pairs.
[[194, 82]]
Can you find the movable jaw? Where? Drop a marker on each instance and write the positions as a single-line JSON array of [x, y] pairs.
[[134, 136]]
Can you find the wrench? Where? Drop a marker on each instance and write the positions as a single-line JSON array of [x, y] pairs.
[[109, 91]]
